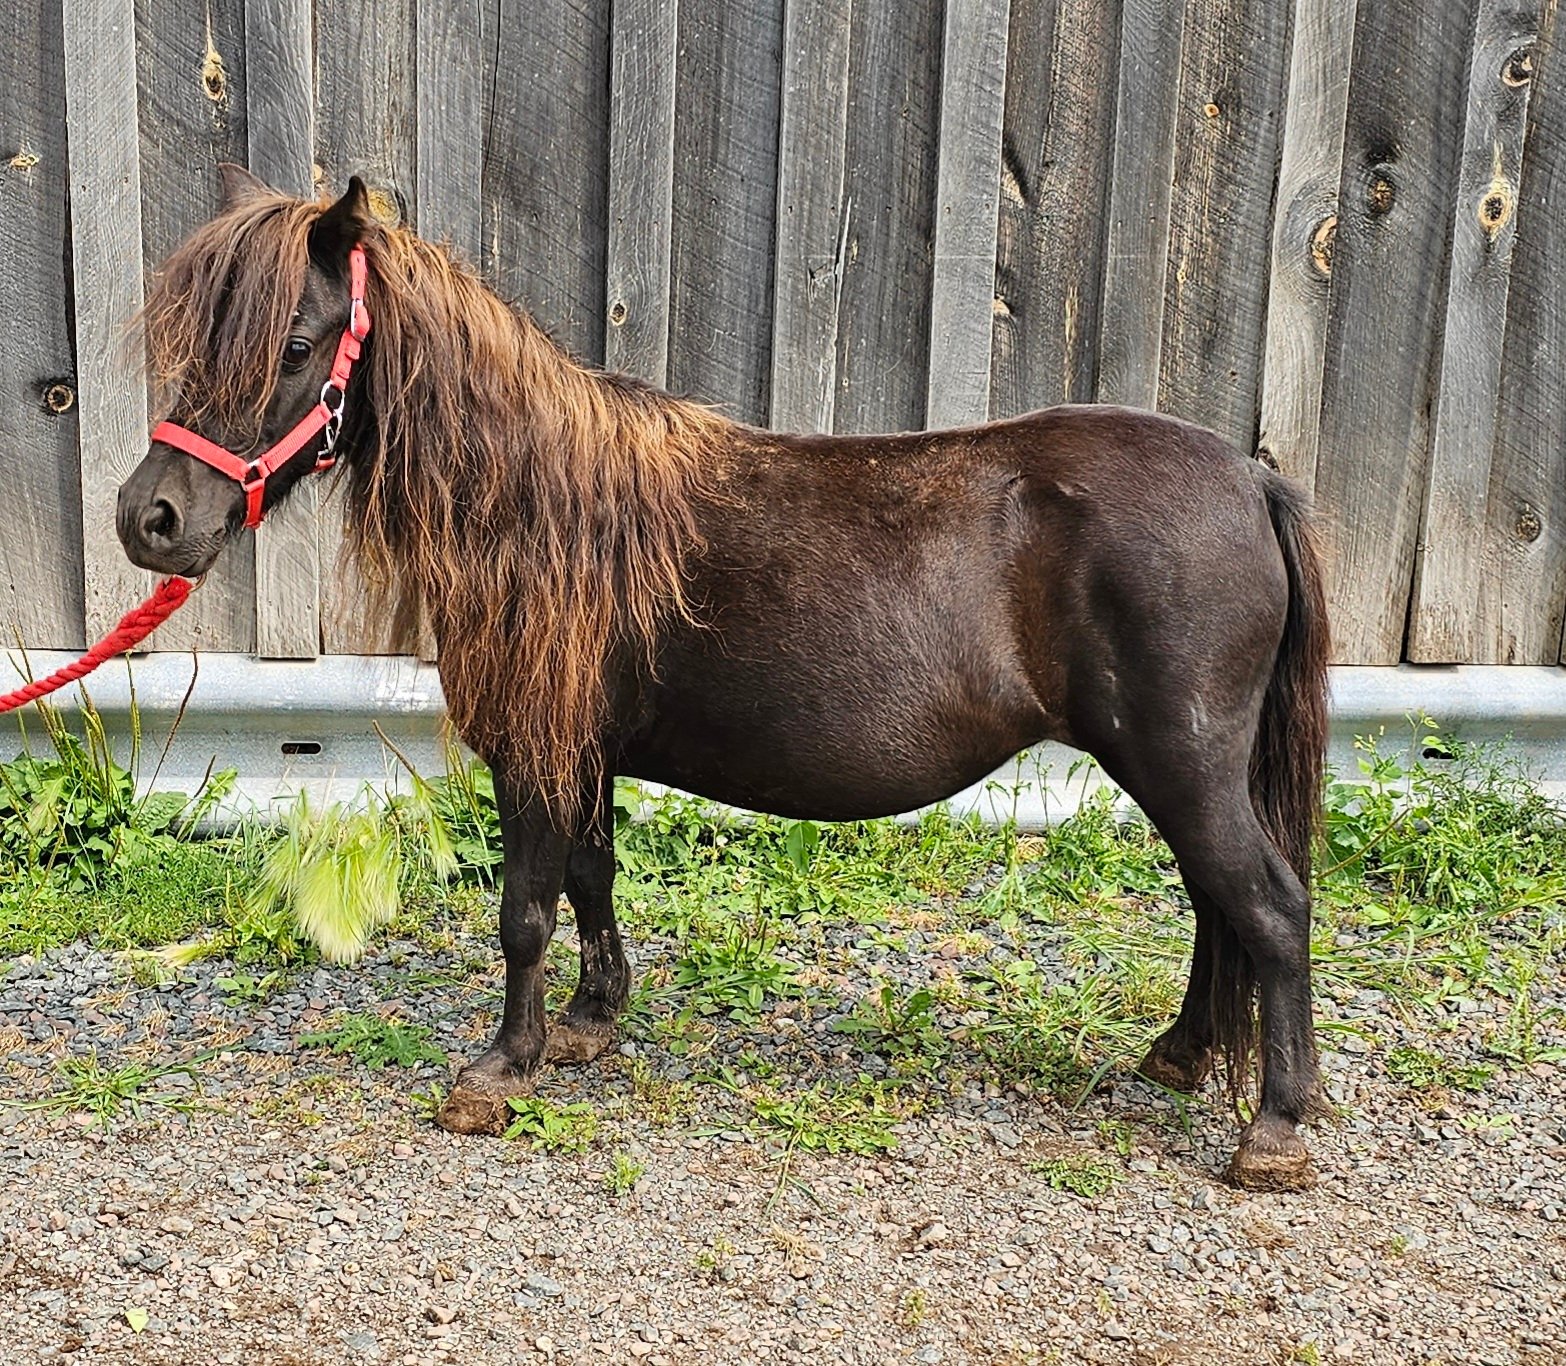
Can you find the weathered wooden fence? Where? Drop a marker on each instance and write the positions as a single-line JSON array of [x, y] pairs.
[[1331, 229]]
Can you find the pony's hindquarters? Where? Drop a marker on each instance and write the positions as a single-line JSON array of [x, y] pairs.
[[1198, 679]]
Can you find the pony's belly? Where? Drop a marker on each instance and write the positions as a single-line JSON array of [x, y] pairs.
[[825, 774]]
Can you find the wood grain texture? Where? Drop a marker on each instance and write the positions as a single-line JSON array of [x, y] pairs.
[[894, 79], [366, 125], [105, 174], [1232, 76], [1401, 144], [643, 44], [41, 513], [1057, 145], [1522, 570], [192, 116], [546, 160], [1136, 253], [449, 157], [811, 213], [1304, 228], [280, 107], [1445, 624], [280, 93], [725, 202], [967, 194]]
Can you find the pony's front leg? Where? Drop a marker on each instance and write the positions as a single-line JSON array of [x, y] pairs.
[[535, 858], [586, 1026]]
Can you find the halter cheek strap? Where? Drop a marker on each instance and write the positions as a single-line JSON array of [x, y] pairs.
[[326, 416]]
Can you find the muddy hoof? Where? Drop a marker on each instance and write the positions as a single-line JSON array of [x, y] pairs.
[[1176, 1074], [576, 1043], [1271, 1159], [477, 1103]]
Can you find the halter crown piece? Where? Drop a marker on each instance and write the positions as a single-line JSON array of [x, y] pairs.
[[326, 416]]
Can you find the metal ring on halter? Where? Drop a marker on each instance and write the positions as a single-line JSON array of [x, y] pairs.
[[334, 414]]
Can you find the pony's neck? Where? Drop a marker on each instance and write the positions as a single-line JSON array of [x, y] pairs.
[[539, 512]]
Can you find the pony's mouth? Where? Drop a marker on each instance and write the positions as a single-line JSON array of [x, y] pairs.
[[188, 560]]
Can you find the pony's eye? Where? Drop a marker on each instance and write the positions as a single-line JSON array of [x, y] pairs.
[[296, 351]]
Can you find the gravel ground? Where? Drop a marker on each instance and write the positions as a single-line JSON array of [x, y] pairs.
[[304, 1210]]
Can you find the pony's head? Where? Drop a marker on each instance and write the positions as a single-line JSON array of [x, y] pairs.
[[241, 329]]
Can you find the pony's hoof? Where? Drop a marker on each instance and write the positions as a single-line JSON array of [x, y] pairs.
[[466, 1111], [477, 1102], [1185, 1074], [576, 1043], [1271, 1158]]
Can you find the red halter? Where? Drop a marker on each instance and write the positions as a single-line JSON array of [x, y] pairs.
[[326, 416]]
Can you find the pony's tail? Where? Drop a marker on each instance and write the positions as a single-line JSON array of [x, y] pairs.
[[1289, 754], [1288, 758]]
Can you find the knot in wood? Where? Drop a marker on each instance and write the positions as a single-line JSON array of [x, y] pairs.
[[1530, 526], [618, 312], [214, 79], [385, 207], [1321, 243], [59, 397], [1382, 192], [1519, 67], [1495, 208]]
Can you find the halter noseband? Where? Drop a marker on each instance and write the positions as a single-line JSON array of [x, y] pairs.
[[326, 416]]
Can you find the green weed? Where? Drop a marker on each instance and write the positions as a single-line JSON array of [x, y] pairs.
[[1422, 1069], [856, 1118], [550, 1127], [622, 1176], [1083, 1174], [106, 1092], [376, 1041]]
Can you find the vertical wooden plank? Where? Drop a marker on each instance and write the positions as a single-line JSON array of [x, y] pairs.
[[192, 116], [449, 159], [280, 107], [725, 202], [100, 111], [641, 186], [366, 126], [1304, 228], [546, 163], [1522, 570], [967, 197], [449, 152], [1445, 624], [1401, 144], [1057, 144], [811, 214], [1232, 67], [41, 513], [1137, 251], [884, 310]]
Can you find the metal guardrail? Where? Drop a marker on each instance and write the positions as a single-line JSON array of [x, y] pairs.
[[316, 727]]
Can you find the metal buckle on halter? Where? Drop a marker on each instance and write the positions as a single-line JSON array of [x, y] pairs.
[[334, 422]]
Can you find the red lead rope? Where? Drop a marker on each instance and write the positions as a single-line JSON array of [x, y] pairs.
[[135, 626]]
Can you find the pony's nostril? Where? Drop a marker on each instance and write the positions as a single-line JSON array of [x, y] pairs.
[[161, 521]]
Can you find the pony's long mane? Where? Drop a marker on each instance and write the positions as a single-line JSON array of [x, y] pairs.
[[539, 513]]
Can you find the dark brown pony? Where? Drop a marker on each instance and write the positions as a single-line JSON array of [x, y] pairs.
[[623, 582]]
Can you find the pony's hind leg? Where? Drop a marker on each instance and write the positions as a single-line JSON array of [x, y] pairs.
[[1181, 1058], [535, 866], [586, 1026], [1262, 945]]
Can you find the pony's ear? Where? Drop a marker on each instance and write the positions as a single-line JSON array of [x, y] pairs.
[[342, 226], [238, 184]]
